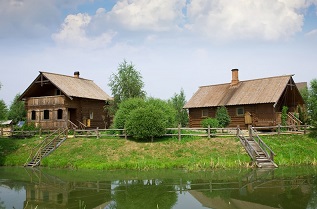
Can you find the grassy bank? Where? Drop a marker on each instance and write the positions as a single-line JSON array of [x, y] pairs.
[[190, 153]]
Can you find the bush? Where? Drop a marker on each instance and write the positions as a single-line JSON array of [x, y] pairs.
[[125, 109], [145, 123], [212, 122], [145, 119], [223, 117]]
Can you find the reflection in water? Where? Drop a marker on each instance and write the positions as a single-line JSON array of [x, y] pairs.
[[267, 189]]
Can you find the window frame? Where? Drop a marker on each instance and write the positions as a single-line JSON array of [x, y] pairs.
[[238, 109], [204, 112]]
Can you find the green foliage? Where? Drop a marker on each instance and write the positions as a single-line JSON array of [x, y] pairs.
[[17, 110], [223, 117], [125, 109], [284, 115], [178, 101], [312, 102], [212, 122], [145, 123], [3, 110], [27, 127], [168, 111], [144, 118], [126, 83]]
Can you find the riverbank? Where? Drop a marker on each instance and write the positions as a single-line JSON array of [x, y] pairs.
[[190, 153]]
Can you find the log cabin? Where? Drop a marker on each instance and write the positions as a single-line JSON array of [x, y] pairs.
[[55, 101], [257, 102]]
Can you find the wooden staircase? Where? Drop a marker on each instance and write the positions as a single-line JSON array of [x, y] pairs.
[[48, 145], [261, 155]]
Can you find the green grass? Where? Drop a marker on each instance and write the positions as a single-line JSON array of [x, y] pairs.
[[192, 153], [292, 150]]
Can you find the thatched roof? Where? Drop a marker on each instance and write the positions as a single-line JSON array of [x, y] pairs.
[[71, 86], [257, 91]]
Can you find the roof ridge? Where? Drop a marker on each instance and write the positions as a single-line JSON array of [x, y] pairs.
[[290, 75], [65, 75]]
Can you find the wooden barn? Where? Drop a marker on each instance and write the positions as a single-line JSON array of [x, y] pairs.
[[257, 102], [54, 101]]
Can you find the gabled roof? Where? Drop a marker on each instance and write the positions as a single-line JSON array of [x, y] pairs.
[[257, 91], [71, 86]]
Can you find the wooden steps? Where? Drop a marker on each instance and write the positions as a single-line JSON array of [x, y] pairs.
[[257, 150], [47, 146]]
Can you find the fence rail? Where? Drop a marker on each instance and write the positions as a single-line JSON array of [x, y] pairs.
[[178, 132]]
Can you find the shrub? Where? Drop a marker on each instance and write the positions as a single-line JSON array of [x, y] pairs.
[[125, 109], [145, 118], [145, 123], [223, 117], [284, 115], [212, 122]]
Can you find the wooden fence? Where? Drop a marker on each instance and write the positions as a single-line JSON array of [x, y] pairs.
[[178, 132]]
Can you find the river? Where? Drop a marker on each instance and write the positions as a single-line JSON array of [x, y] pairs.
[[287, 188]]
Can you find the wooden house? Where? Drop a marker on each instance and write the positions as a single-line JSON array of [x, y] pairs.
[[257, 102], [53, 101]]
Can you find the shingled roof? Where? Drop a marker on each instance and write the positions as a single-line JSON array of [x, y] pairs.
[[72, 86], [257, 91]]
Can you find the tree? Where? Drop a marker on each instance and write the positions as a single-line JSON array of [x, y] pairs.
[[312, 107], [17, 110], [223, 117], [3, 110], [126, 83], [178, 101]]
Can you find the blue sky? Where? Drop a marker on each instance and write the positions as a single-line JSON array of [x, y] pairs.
[[175, 44]]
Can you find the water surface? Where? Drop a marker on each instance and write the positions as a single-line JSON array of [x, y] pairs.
[[160, 189]]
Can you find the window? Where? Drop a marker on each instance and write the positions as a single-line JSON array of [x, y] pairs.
[[204, 113], [240, 111], [46, 114], [91, 115], [59, 114], [33, 115]]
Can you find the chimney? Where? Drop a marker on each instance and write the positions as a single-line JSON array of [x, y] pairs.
[[235, 77], [76, 74]]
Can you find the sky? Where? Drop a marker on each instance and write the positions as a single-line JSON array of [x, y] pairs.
[[174, 44]]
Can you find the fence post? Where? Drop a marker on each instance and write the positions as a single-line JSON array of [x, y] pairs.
[[125, 133], [250, 131], [179, 132], [74, 133], [208, 131], [1, 131], [238, 130], [40, 132], [97, 132], [279, 129], [305, 129]]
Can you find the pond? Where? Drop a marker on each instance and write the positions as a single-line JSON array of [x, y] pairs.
[[26, 188]]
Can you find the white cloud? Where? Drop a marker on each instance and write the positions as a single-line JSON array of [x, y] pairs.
[[246, 19], [73, 33], [154, 15]]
